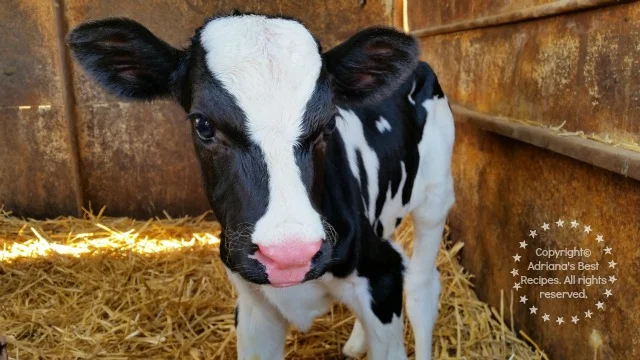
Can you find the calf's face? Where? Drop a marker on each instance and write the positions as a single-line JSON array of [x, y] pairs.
[[261, 98]]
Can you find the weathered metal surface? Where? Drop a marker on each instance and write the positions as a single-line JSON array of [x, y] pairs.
[[492, 14], [426, 14], [138, 158], [68, 102], [36, 175], [616, 159], [397, 13], [505, 188], [581, 69]]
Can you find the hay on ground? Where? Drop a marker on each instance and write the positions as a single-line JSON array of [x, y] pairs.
[[115, 288]]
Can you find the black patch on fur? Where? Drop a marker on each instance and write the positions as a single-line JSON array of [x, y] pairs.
[[382, 266], [235, 316], [342, 207], [379, 229], [386, 287], [364, 181], [398, 221], [233, 168], [318, 112]]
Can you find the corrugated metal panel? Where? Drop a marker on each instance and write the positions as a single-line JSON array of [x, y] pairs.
[[36, 174]]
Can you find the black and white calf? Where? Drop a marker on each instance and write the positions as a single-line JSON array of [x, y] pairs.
[[306, 211]]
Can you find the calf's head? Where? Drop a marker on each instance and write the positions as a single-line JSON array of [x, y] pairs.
[[262, 100]]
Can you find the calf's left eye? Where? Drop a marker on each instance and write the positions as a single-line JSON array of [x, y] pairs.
[[204, 129], [331, 126]]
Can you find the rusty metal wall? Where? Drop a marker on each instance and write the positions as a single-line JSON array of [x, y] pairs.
[[137, 159], [576, 64], [505, 188], [447, 12], [580, 69], [36, 174]]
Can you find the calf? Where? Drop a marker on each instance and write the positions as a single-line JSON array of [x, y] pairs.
[[310, 159]]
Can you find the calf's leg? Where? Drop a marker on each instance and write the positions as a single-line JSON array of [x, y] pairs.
[[260, 328], [356, 346], [422, 280], [374, 294]]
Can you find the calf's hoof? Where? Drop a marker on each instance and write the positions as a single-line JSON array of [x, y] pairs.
[[352, 351]]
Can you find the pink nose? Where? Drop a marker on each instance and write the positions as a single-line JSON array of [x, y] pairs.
[[290, 253], [287, 263]]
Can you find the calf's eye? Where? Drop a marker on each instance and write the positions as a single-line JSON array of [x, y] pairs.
[[204, 129], [331, 126]]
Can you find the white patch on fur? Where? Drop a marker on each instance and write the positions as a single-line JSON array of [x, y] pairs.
[[392, 207], [300, 304], [384, 341], [410, 96], [352, 133], [270, 66], [383, 125], [431, 199], [435, 149]]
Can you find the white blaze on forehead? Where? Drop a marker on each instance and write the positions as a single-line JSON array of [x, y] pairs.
[[271, 67]]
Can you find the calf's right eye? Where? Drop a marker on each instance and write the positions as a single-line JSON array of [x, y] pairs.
[[204, 129]]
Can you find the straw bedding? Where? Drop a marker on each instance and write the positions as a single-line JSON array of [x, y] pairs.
[[115, 288]]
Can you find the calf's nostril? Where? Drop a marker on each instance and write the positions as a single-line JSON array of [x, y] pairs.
[[290, 253]]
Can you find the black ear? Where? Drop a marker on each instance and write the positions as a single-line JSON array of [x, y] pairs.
[[371, 64], [127, 59]]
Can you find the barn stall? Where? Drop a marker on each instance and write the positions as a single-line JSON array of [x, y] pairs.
[[546, 99]]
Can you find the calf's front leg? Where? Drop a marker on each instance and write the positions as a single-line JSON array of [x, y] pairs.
[[260, 328], [356, 345], [374, 294], [422, 280]]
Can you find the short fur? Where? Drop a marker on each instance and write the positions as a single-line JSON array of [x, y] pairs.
[[275, 169]]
